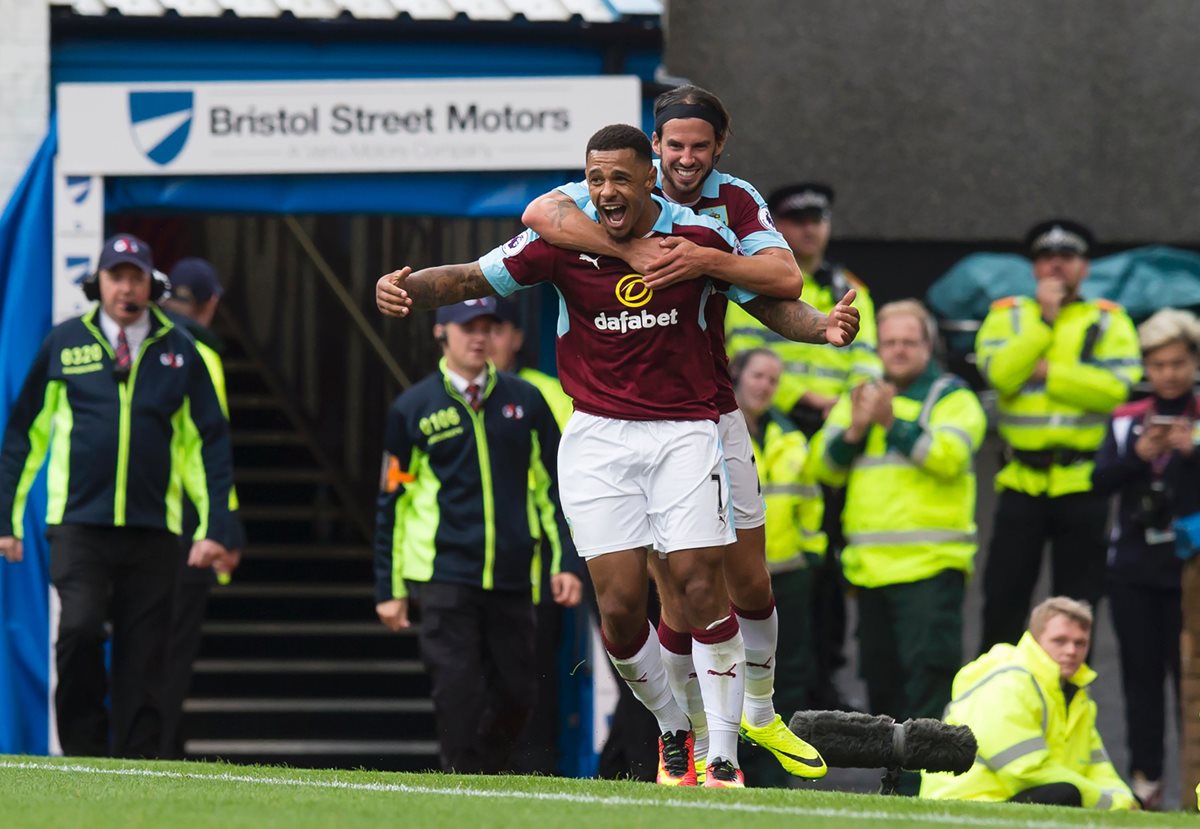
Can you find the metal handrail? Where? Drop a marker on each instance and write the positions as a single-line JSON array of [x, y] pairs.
[[348, 305]]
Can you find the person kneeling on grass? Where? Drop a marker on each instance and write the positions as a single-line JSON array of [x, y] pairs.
[[1029, 708]]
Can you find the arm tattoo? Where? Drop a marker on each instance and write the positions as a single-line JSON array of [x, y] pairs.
[[560, 209], [447, 284], [791, 318]]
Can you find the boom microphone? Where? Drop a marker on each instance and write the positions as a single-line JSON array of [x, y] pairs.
[[131, 308], [856, 740]]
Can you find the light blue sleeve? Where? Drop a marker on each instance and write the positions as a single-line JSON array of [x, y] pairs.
[[578, 191], [761, 240], [494, 269], [740, 295]]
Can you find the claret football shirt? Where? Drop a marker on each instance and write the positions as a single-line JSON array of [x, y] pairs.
[[734, 203], [625, 351]]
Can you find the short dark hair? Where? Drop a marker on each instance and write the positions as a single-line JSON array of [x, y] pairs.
[[692, 94], [621, 137]]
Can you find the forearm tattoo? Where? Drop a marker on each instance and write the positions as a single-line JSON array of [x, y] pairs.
[[446, 285], [791, 318]]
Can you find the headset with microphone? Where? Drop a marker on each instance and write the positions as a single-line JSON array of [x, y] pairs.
[[159, 285]]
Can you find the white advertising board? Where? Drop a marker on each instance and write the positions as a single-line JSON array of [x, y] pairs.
[[338, 126]]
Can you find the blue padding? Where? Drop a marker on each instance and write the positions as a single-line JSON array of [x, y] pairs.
[[475, 195], [26, 242]]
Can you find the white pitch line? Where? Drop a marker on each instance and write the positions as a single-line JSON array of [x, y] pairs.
[[562, 797]]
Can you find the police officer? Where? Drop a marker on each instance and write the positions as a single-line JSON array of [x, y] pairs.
[[1030, 711], [461, 526], [1060, 365], [904, 450], [195, 292], [123, 404]]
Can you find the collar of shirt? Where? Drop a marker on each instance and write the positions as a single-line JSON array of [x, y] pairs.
[[135, 333], [460, 383]]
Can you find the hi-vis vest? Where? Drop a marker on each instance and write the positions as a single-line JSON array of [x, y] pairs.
[[819, 368], [795, 508], [910, 489], [1028, 734], [1093, 358]]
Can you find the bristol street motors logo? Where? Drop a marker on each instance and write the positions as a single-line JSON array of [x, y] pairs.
[[160, 122], [632, 292]]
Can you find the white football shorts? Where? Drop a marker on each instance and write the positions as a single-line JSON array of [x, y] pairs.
[[749, 508], [626, 484]]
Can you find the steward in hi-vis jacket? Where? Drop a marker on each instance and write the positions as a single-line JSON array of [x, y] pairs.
[[124, 406], [468, 506]]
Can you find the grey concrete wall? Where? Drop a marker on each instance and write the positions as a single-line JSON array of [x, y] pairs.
[[961, 119]]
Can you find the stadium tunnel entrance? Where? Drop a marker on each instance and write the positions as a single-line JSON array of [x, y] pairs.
[[295, 667]]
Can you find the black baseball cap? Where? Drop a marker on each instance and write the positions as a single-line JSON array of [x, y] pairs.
[[194, 280], [126, 249], [808, 198], [464, 312], [1059, 236]]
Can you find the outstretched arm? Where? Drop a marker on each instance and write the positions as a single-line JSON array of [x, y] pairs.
[[802, 323], [400, 291]]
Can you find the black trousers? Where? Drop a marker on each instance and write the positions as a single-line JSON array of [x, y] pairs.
[[1075, 525], [910, 644], [1050, 794], [910, 648], [828, 603], [189, 605], [1148, 622], [478, 646], [125, 575]]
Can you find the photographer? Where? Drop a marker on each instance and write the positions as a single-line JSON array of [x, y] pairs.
[[1148, 460]]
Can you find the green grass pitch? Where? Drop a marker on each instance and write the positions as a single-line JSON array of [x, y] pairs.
[[98, 794]]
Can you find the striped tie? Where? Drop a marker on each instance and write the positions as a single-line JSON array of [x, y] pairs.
[[474, 397], [123, 359]]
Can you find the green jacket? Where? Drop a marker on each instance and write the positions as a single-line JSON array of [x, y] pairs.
[[1093, 361], [1029, 733], [910, 489]]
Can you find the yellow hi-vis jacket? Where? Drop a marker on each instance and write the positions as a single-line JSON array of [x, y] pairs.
[[819, 368], [1028, 733], [1093, 358], [910, 489], [795, 508]]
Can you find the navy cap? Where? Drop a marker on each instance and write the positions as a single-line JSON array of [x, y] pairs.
[[1058, 236], [194, 280], [126, 249], [506, 311], [464, 312], [806, 198]]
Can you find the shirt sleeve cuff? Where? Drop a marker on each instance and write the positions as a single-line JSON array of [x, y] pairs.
[[843, 453], [903, 435]]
